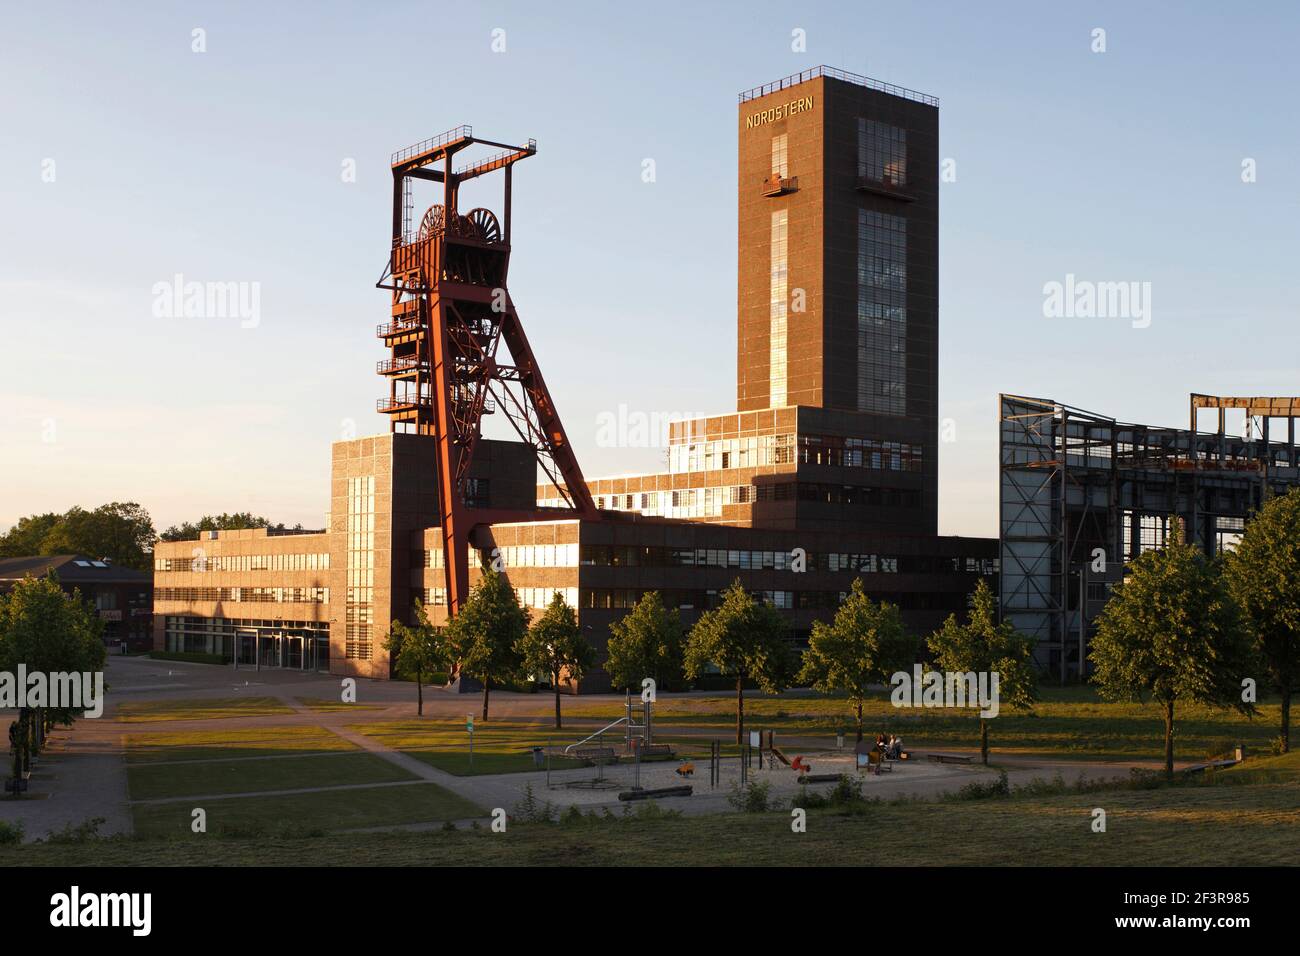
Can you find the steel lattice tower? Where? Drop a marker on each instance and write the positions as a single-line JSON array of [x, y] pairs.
[[451, 311]]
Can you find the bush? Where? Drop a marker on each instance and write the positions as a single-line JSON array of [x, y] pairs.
[[531, 810], [11, 833], [975, 790], [649, 810], [77, 833], [751, 798], [847, 793]]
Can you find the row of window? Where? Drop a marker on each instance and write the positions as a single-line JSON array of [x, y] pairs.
[[851, 495], [528, 597], [757, 452], [620, 598], [246, 595], [746, 560], [200, 562]]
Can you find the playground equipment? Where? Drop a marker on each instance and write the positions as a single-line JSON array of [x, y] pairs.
[[638, 737], [686, 769]]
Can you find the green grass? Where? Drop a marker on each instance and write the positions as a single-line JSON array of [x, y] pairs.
[[167, 746], [322, 705], [1067, 722], [1194, 825], [159, 780], [499, 746], [322, 811], [211, 708]]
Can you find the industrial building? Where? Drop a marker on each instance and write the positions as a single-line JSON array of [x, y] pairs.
[[826, 471], [1082, 494]]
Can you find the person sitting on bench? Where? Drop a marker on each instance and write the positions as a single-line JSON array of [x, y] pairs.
[[895, 748]]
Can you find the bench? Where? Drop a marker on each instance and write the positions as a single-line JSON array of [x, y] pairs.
[[594, 755], [950, 758]]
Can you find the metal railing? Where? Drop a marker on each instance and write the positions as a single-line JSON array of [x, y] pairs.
[[500, 157], [433, 142], [879, 86], [400, 402], [405, 363], [396, 326]]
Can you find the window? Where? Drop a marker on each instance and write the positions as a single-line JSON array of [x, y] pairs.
[[780, 156], [882, 313], [882, 152], [778, 291]]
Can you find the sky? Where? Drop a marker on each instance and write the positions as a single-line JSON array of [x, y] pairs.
[[128, 157]]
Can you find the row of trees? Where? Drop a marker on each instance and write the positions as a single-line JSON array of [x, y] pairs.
[[49, 631], [743, 640], [120, 531], [1187, 629], [1181, 629]]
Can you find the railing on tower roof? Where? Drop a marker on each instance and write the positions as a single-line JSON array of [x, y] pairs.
[[433, 142], [879, 85]]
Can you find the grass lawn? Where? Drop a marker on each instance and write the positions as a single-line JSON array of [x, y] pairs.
[[211, 708], [324, 705], [1067, 722], [1212, 824], [178, 745], [323, 811], [158, 780], [499, 746]]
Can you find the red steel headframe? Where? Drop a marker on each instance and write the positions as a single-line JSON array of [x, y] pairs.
[[451, 310]]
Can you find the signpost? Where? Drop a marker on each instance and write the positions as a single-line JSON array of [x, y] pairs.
[[469, 726]]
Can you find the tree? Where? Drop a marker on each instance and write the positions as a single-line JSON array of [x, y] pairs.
[[120, 531], [50, 632], [417, 652], [1263, 576], [645, 642], [485, 633], [1171, 632], [554, 645], [239, 521], [864, 645], [984, 646], [26, 537], [744, 639]]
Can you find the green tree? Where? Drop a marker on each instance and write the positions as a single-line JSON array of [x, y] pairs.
[[1171, 633], [863, 646], [645, 642], [485, 634], [744, 639], [418, 651], [239, 521], [49, 631], [1263, 576], [26, 537], [554, 646], [120, 531], [983, 645]]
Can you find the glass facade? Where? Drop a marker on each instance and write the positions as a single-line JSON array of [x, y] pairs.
[[778, 299], [882, 152], [359, 607], [882, 313]]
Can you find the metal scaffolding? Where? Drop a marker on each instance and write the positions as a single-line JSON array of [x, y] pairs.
[[1081, 495]]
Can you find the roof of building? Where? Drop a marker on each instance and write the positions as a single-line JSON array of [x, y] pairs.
[[73, 568]]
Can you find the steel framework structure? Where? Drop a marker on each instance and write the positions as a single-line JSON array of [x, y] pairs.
[[1081, 495], [451, 311]]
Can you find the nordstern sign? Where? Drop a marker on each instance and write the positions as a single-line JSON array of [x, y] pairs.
[[801, 105]]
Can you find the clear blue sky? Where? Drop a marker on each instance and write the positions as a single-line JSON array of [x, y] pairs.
[[225, 165]]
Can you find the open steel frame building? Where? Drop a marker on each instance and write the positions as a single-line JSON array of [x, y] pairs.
[[1081, 495]]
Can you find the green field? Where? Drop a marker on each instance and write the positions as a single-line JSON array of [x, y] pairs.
[[499, 746], [1214, 823], [173, 746], [324, 810], [160, 780], [1067, 722], [211, 708]]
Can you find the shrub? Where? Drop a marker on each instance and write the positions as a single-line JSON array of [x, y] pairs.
[[751, 798], [977, 790], [11, 833], [82, 832], [531, 810]]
